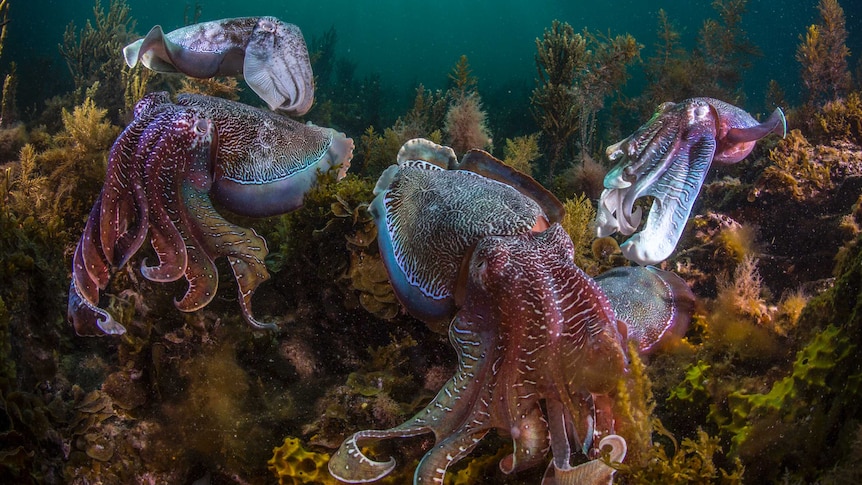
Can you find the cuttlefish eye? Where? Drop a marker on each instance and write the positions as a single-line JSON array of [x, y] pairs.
[[489, 262], [266, 25], [202, 127], [479, 270], [700, 112]]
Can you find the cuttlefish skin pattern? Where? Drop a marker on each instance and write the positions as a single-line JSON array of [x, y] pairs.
[[428, 216], [165, 170], [528, 326], [533, 328], [655, 305], [270, 54], [668, 158]]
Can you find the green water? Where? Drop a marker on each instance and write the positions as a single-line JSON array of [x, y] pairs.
[[409, 42]]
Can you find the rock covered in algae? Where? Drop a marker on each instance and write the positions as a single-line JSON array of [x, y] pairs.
[[292, 464]]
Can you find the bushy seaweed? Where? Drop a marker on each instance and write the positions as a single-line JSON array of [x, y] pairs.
[[576, 72], [91, 54]]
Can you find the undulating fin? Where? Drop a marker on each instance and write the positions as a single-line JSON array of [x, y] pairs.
[[485, 164]]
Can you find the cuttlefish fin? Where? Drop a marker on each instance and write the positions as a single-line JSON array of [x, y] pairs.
[[483, 163], [776, 123], [158, 53]]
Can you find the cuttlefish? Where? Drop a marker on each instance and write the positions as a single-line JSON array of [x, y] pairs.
[[270, 54], [164, 172], [668, 158], [431, 209], [540, 345]]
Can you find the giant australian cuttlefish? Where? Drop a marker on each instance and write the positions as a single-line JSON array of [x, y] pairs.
[[668, 159], [176, 158], [540, 344]]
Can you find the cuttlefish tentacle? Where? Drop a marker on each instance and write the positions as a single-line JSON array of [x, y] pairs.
[[668, 158], [529, 437], [244, 248], [593, 472], [649, 146], [90, 275], [124, 220], [674, 193], [164, 199], [175, 147], [93, 271], [444, 416], [270, 54], [349, 464], [433, 466]]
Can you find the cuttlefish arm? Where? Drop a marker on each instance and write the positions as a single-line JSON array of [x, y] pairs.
[[668, 158], [593, 472], [270, 54]]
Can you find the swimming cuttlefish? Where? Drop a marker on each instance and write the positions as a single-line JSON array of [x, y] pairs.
[[478, 246], [668, 158]]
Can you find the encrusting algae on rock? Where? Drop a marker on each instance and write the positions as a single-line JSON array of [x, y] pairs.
[[292, 464]]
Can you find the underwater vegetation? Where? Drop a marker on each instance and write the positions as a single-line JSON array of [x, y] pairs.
[[763, 387], [577, 71], [91, 55], [711, 68], [823, 55]]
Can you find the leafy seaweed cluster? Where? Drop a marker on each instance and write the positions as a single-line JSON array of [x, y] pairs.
[[823, 56], [692, 462], [292, 464], [655, 455], [752, 414], [520, 152], [576, 72], [91, 54], [713, 68], [799, 169], [378, 150], [578, 223], [465, 125], [841, 120]]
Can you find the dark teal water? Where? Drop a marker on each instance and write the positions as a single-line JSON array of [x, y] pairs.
[[409, 42]]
